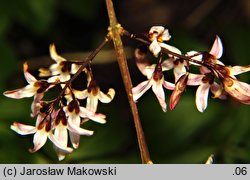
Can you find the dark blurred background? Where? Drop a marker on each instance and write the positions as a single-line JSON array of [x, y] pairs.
[[76, 27]]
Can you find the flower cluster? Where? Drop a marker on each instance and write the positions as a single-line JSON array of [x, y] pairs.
[[57, 118], [214, 76]]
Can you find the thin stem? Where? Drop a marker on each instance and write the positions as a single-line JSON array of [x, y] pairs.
[[115, 31]]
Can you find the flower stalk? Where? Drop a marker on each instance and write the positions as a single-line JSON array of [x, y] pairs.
[[116, 30]]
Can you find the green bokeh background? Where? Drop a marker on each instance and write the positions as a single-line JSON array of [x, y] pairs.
[[184, 135]]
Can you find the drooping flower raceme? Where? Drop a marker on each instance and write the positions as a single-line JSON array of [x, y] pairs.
[[214, 76], [64, 115]]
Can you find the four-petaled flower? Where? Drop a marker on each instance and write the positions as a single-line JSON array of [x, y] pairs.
[[61, 70], [158, 34], [35, 88], [156, 81], [93, 94], [74, 112]]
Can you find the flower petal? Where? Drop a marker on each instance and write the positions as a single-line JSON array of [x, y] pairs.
[[237, 89], [85, 113], [92, 102], [165, 35], [156, 29], [194, 79], [140, 89], [167, 64], [77, 130], [106, 98], [179, 70], [236, 70], [39, 140], [23, 129], [202, 96], [155, 48], [159, 92], [54, 54], [218, 91], [170, 48], [168, 85], [27, 91], [61, 135], [217, 48], [63, 149], [74, 68], [29, 77]]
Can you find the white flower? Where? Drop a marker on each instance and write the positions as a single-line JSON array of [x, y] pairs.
[[41, 131], [93, 95], [158, 34], [61, 70], [35, 88], [75, 112], [156, 81]]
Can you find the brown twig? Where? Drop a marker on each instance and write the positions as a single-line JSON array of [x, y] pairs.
[[115, 32]]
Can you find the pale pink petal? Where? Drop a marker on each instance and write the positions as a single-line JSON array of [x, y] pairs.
[[85, 113], [39, 140], [61, 134], [64, 77], [74, 68], [74, 139], [54, 54], [140, 89], [168, 85], [149, 70], [195, 56], [74, 121], [236, 70], [156, 29], [165, 35], [167, 64], [23, 129], [54, 79], [237, 89], [159, 92], [81, 94], [77, 130], [63, 149], [202, 96], [29, 77], [55, 69], [155, 48], [27, 91], [106, 98], [170, 48], [92, 102], [194, 79], [217, 48], [179, 70], [99, 118]]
